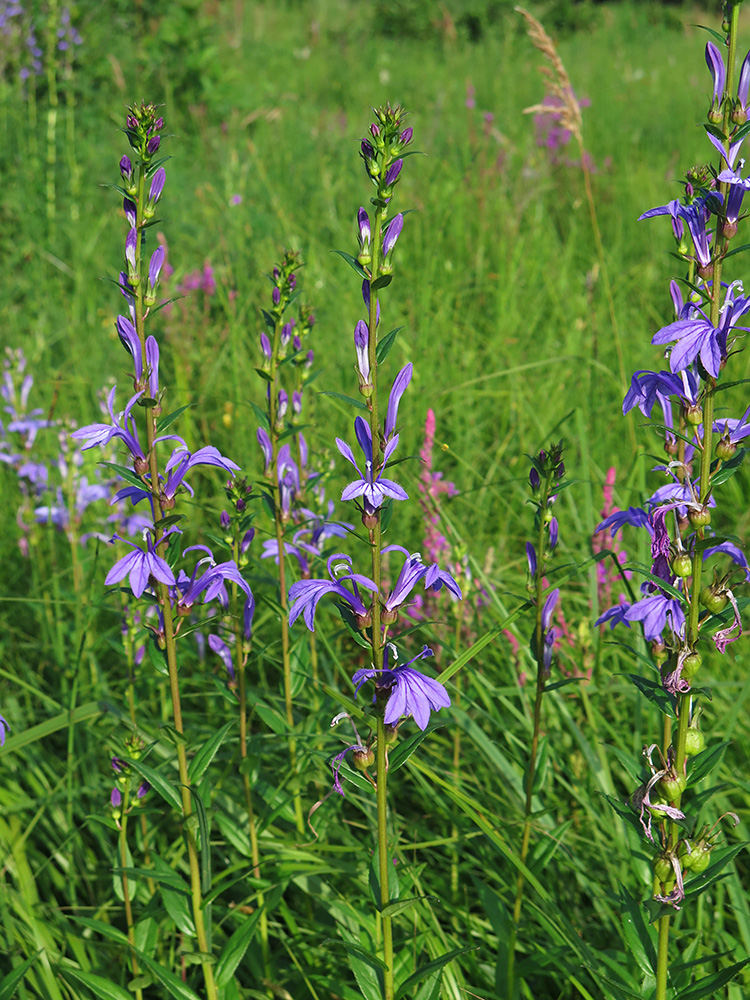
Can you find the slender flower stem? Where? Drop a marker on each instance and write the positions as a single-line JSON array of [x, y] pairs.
[[531, 773], [126, 887], [242, 656], [382, 771], [273, 400], [169, 633], [692, 624]]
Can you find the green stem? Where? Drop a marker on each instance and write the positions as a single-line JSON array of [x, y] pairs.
[[382, 766], [242, 656], [169, 631], [126, 887], [531, 773], [273, 399]]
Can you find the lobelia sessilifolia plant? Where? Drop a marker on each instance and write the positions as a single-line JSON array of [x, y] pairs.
[[546, 481], [683, 610], [285, 369], [153, 571], [400, 690]]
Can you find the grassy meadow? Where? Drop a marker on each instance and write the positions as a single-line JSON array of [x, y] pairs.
[[502, 301]]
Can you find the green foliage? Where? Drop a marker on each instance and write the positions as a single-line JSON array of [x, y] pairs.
[[501, 309]]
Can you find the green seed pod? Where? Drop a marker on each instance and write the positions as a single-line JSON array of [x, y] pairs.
[[699, 518], [691, 665], [714, 601], [663, 868], [682, 565], [694, 415], [362, 759], [672, 786], [695, 742], [725, 448]]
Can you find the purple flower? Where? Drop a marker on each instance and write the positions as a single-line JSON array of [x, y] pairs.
[[265, 444], [412, 692], [123, 427], [735, 554], [155, 266], [392, 173], [646, 388], [374, 490], [361, 345], [131, 243], [392, 233], [398, 389], [305, 594], [654, 612], [716, 68], [365, 235], [734, 430], [223, 651], [531, 558], [211, 583], [153, 144], [698, 338], [549, 607], [744, 84], [636, 516], [4, 727], [157, 183], [115, 798], [126, 169], [139, 566]]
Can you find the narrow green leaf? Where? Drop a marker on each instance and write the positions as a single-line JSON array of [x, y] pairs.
[[400, 905], [124, 473], [102, 988], [357, 403], [206, 754], [385, 344], [235, 948], [9, 983], [655, 693], [638, 935], [175, 986], [169, 418], [205, 851], [176, 901], [263, 374], [261, 416], [707, 987], [382, 282], [106, 930], [432, 968], [354, 263], [399, 756], [703, 763], [729, 468], [81, 714], [158, 782]]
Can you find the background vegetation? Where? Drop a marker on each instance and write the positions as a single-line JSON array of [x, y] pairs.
[[504, 317]]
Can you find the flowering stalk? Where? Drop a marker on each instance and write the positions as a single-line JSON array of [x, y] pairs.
[[678, 611], [284, 281], [147, 568], [400, 690], [547, 470], [121, 808]]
